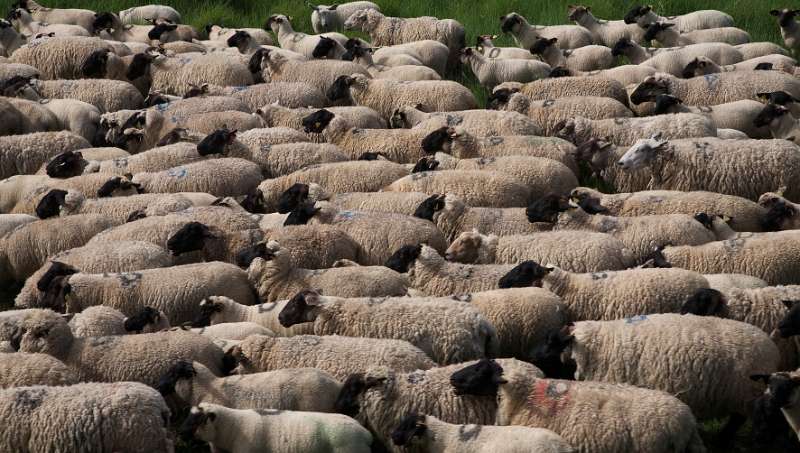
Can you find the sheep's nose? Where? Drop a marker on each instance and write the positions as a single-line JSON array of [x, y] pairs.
[[620, 163]]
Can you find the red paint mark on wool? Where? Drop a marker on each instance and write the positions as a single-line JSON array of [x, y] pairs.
[[549, 397]]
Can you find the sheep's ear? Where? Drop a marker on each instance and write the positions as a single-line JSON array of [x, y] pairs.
[[789, 303], [494, 36], [775, 12], [760, 377], [553, 40]]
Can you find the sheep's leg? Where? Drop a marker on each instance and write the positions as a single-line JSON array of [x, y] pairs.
[[727, 434]]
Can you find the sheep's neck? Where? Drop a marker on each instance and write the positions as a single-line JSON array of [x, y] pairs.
[[554, 57], [636, 54], [228, 428], [587, 20], [671, 38], [786, 127], [204, 388], [557, 282], [234, 312], [477, 62], [438, 437], [286, 35]]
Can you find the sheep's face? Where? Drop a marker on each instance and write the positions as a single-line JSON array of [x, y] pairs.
[[276, 21], [118, 186], [551, 356], [784, 389], [704, 302], [698, 67], [541, 45], [635, 13], [293, 197], [577, 13], [429, 207], [191, 237], [656, 31], [402, 260], [466, 248], [511, 23], [776, 97], [324, 48], [147, 320], [499, 98], [50, 205], [523, 275], [648, 90], [326, 16], [66, 165], [480, 379], [200, 424], [621, 47], [427, 163], [357, 20], [642, 153], [466, 55], [665, 103], [440, 140], [104, 21], [770, 115], [789, 326], [216, 142], [208, 309], [566, 130], [780, 215], [340, 88], [160, 32], [240, 39], [410, 427], [302, 308], [547, 208], [246, 256], [94, 66], [301, 214], [785, 16], [317, 122], [349, 400]]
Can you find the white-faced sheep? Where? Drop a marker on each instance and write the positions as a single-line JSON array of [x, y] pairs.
[[339, 356], [525, 34], [590, 252], [713, 164], [127, 408], [594, 416], [492, 72], [586, 58], [604, 32], [326, 18], [696, 20]]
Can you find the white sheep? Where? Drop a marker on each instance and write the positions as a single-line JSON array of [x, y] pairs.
[[780, 122], [149, 13], [222, 34], [666, 36], [560, 87], [221, 177], [447, 331], [24, 154], [491, 72], [485, 45], [394, 202], [326, 18], [696, 20], [59, 58], [363, 56], [275, 115], [10, 222], [586, 58], [605, 32], [295, 41], [106, 95], [525, 34], [626, 131], [19, 369], [22, 19], [738, 115], [482, 123], [102, 321], [703, 65], [475, 187], [240, 431], [428, 52]]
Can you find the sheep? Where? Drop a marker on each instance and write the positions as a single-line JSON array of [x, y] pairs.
[[10, 39], [321, 180], [580, 411], [258, 138], [727, 282], [702, 65], [593, 252], [177, 74], [476, 187], [491, 72], [37, 118], [149, 12], [550, 112], [275, 279], [671, 59], [780, 122], [428, 52], [82, 17], [127, 408], [295, 41], [482, 123], [16, 121], [363, 56], [18, 369], [789, 27], [56, 189], [759, 49], [604, 32], [58, 58], [586, 58], [108, 24], [101, 321], [220, 177], [10, 222], [773, 407], [330, 18], [155, 159], [9, 70], [338, 356], [696, 20], [738, 115], [626, 131], [745, 214], [275, 115], [22, 19], [75, 116], [781, 214], [387, 31], [299, 389], [713, 164], [421, 431], [524, 34], [106, 95], [385, 95], [27, 247], [24, 154], [379, 397], [390, 202], [220, 311], [714, 89], [485, 45], [561, 87], [268, 428], [279, 160], [314, 246], [664, 34], [452, 216], [260, 36]]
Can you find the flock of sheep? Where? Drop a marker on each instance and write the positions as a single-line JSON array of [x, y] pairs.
[[325, 246]]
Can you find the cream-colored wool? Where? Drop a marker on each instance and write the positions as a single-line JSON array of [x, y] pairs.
[[9, 70], [429, 52], [525, 34], [626, 131], [142, 358], [760, 49], [390, 202], [561, 87], [280, 160], [397, 145], [715, 89], [622, 294], [540, 175], [791, 222], [456, 218], [341, 177], [485, 45], [674, 60], [221, 177], [481, 123], [75, 116], [671, 37], [14, 188], [225, 310], [576, 251], [380, 234], [28, 247], [448, 331], [176, 290], [433, 276], [301, 43], [339, 356], [289, 94], [617, 351], [604, 32], [728, 282], [409, 72], [278, 115], [586, 58], [67, 418], [696, 20], [106, 95], [491, 72], [779, 62], [276, 279], [385, 96], [59, 58], [625, 74], [89, 184], [399, 393], [176, 74], [596, 416], [256, 139], [235, 331], [24, 154], [10, 222], [641, 234], [120, 208], [293, 389], [19, 369], [37, 117], [475, 187], [548, 113], [98, 321], [738, 115], [745, 215], [314, 246], [319, 74], [465, 145]]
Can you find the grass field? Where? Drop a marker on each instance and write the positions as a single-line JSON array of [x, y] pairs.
[[479, 17]]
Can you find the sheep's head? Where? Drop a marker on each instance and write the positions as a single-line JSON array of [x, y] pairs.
[[643, 152], [241, 40], [479, 379], [789, 326], [665, 104], [15, 86], [348, 400], [399, 119], [140, 66], [633, 15], [588, 200], [195, 91], [547, 208], [466, 54], [208, 308], [511, 23], [576, 12], [649, 89], [499, 98], [256, 62], [301, 214], [485, 41], [699, 66], [358, 20], [104, 21], [216, 142], [551, 356], [655, 31], [50, 205], [427, 163], [411, 426], [429, 207], [325, 16], [157, 32], [94, 66], [357, 52], [770, 115], [340, 89], [66, 165], [316, 122], [189, 238], [782, 388], [276, 21], [523, 275], [148, 319], [781, 214], [776, 97], [440, 140], [541, 45], [303, 307], [246, 256], [293, 197], [181, 370], [402, 260], [119, 186], [785, 16], [621, 47], [704, 302], [324, 48], [466, 248], [565, 129], [253, 202], [199, 423], [54, 286]]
